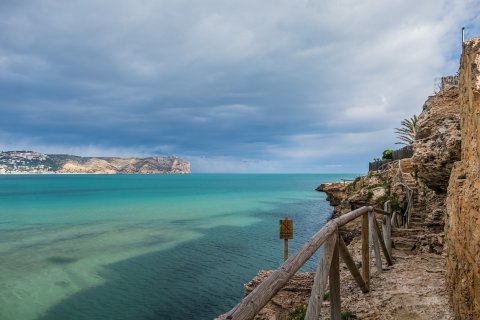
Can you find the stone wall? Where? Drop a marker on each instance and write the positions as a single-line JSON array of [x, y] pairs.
[[463, 199]]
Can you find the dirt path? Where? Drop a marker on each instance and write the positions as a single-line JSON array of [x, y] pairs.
[[413, 288]]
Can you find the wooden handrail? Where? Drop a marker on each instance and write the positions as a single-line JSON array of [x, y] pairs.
[[377, 210], [261, 295], [409, 194]]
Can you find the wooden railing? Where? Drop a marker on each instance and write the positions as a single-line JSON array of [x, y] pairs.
[[405, 221], [328, 267]]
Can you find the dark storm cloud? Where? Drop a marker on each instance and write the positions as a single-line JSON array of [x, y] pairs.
[[231, 85]]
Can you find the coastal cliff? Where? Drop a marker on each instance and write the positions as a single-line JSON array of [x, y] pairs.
[[34, 162], [463, 200], [436, 148]]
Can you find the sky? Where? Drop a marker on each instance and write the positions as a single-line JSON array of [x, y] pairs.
[[232, 86]]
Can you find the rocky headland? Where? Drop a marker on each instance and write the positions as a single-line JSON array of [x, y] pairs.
[[18, 162], [436, 273]]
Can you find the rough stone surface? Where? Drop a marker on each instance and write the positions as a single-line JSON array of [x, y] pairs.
[[437, 147], [463, 202], [152, 165], [336, 192], [438, 141]]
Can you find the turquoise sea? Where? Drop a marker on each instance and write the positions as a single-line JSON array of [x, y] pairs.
[[145, 246]]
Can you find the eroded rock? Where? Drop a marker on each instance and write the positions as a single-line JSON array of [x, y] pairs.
[[438, 141], [463, 201]]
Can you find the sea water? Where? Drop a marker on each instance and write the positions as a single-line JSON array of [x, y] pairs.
[[146, 246]]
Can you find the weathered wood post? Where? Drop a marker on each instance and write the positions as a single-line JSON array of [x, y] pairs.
[[347, 258], [320, 280], [374, 240], [286, 232], [382, 243], [387, 228], [334, 279], [365, 250]]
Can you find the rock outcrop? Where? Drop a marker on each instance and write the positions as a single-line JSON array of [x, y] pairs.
[[152, 165], [336, 192], [436, 149], [463, 202], [438, 141], [373, 189]]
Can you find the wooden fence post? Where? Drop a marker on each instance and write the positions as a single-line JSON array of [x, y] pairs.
[[365, 251], [382, 243], [320, 280], [347, 258], [374, 241], [334, 279], [387, 229]]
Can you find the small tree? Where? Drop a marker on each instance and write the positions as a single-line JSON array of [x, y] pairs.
[[408, 132], [387, 155]]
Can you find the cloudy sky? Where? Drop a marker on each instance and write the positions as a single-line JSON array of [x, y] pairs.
[[232, 86]]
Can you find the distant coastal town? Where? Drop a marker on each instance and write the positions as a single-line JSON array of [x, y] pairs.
[[16, 162]]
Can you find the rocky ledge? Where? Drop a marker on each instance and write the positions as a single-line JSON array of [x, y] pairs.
[[336, 192]]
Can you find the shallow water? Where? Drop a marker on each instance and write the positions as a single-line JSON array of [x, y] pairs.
[[145, 246]]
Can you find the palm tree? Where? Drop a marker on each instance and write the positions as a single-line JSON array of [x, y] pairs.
[[408, 132]]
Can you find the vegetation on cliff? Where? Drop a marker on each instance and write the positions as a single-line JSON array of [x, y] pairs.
[[407, 133]]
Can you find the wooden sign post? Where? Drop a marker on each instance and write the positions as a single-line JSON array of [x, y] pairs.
[[286, 232]]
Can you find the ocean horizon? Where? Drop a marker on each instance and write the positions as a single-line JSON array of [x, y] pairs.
[[146, 246]]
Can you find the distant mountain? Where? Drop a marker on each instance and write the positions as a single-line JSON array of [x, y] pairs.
[[34, 162]]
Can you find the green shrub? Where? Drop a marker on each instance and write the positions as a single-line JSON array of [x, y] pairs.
[[357, 179], [347, 315], [395, 205], [298, 313], [326, 295], [369, 195], [350, 187], [387, 155]]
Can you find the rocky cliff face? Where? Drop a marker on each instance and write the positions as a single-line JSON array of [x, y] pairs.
[[152, 165], [373, 189], [438, 140], [436, 149], [463, 201]]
